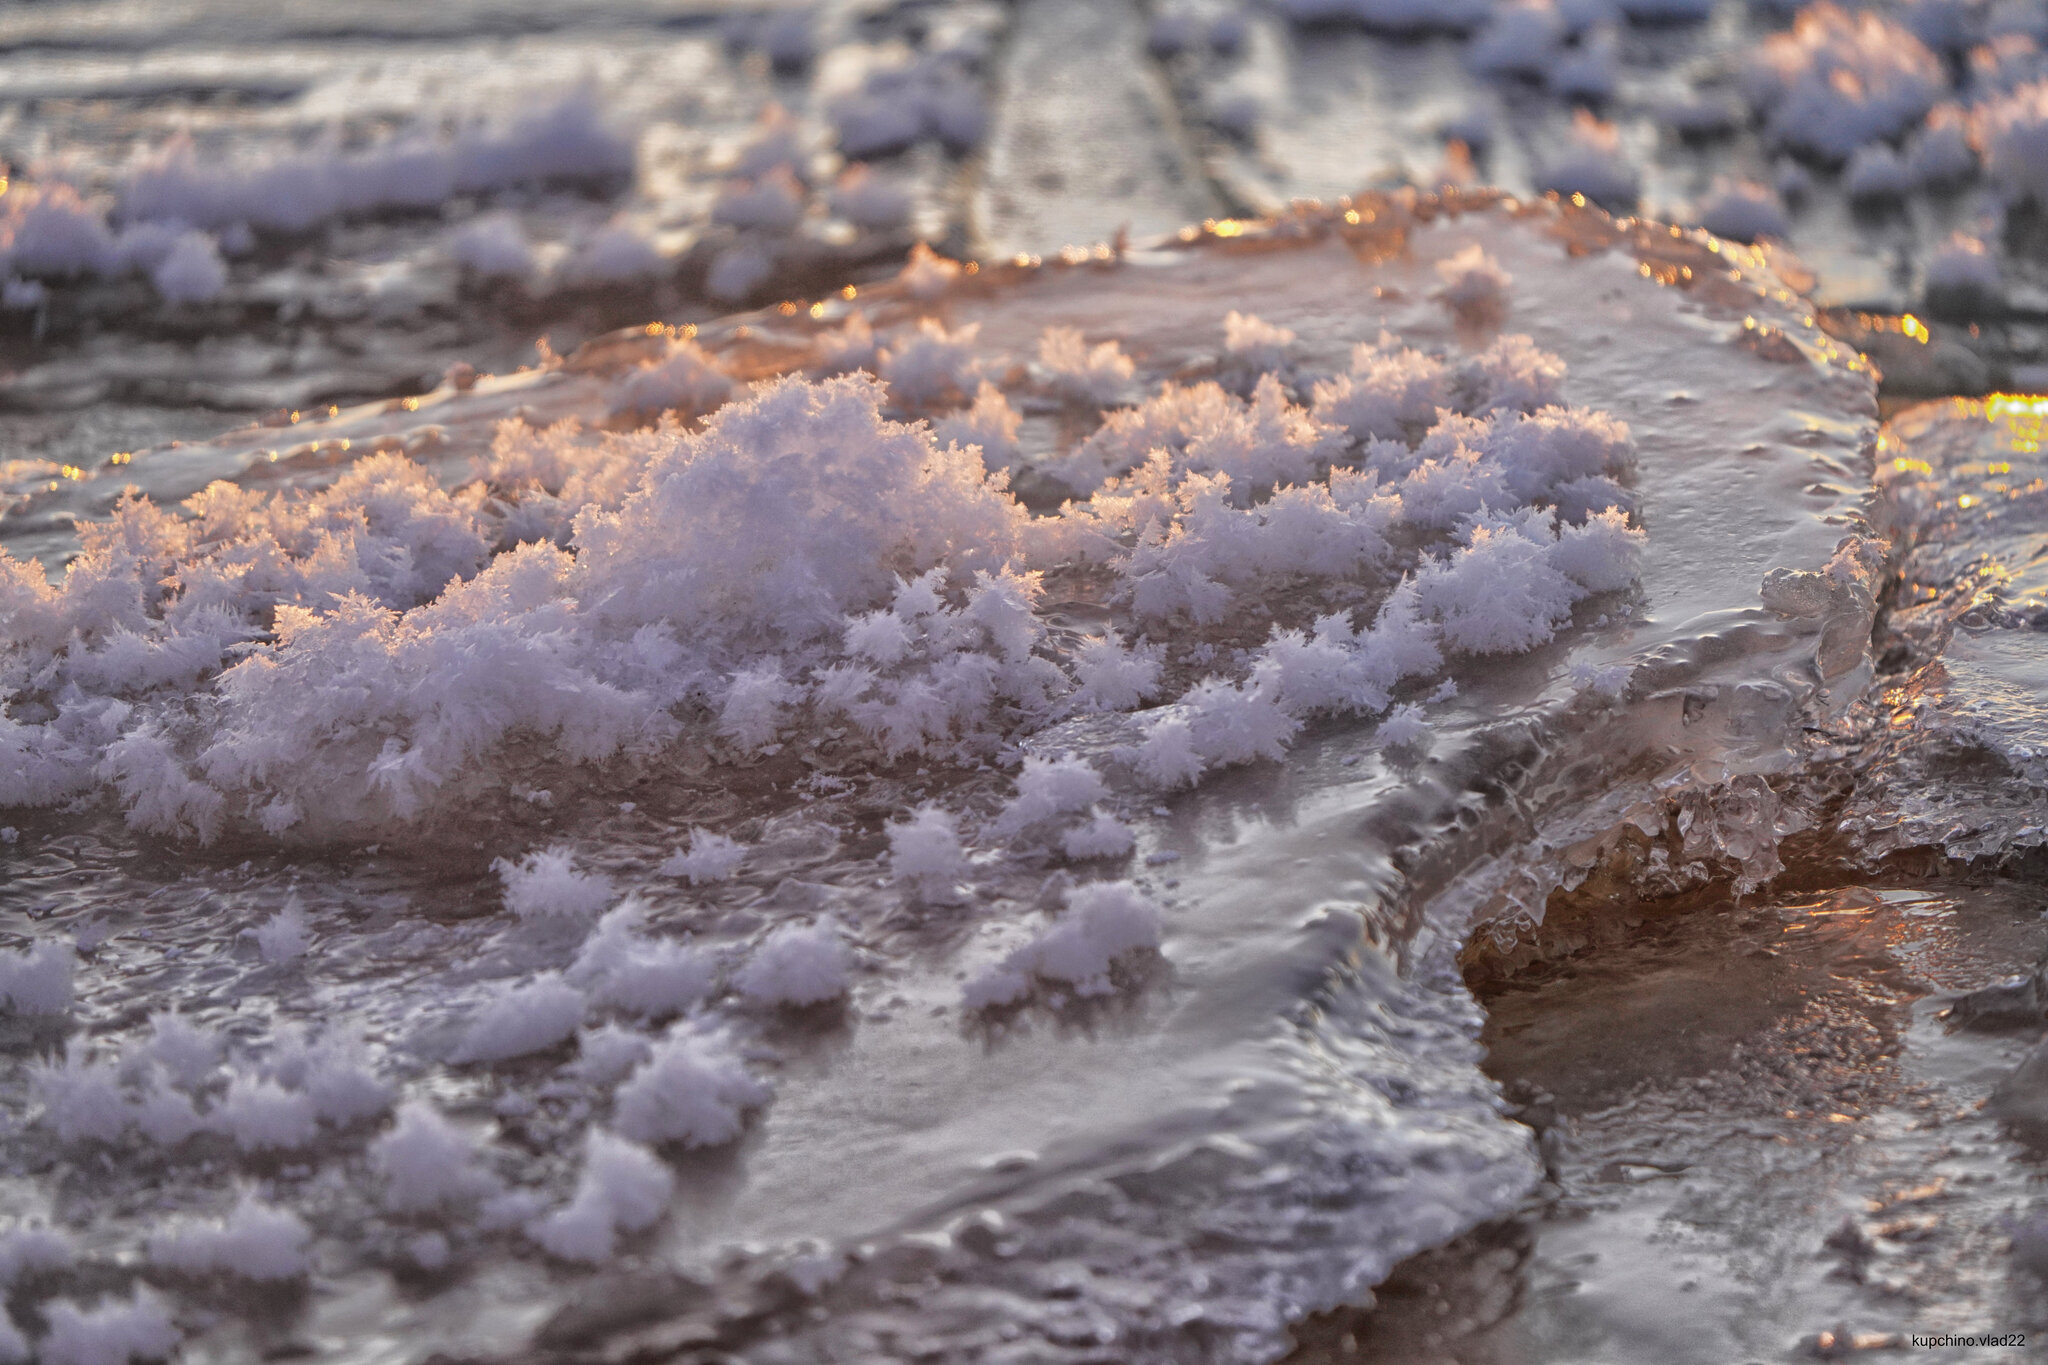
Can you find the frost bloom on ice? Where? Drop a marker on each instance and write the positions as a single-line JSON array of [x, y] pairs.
[[692, 1091], [1475, 288], [528, 1018], [1839, 80], [255, 1242], [1104, 922], [38, 980], [1744, 211], [623, 1188], [427, 1163], [796, 965], [547, 885], [620, 968], [111, 1332], [686, 380], [1592, 164], [710, 858], [1098, 375], [925, 853]]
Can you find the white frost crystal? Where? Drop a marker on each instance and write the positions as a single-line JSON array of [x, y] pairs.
[[692, 1091]]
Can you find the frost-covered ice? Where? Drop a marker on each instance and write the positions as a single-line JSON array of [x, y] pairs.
[[789, 769]]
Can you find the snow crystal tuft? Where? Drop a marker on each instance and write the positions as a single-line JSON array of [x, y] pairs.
[[112, 1332], [38, 980], [692, 1090], [285, 936], [255, 1242], [1475, 288], [427, 1163], [529, 1018], [796, 965], [711, 858], [1104, 922], [620, 968], [623, 1188], [925, 854], [546, 885], [1103, 836]]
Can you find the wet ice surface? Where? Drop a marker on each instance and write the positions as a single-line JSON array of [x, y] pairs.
[[1763, 1139]]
